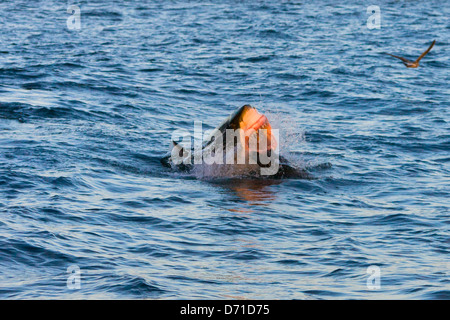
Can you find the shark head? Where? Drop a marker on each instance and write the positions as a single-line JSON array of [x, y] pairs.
[[243, 142], [255, 131]]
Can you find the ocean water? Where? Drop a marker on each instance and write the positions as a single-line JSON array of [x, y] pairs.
[[86, 115]]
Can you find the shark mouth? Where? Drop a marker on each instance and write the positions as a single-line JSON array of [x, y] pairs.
[[257, 131]]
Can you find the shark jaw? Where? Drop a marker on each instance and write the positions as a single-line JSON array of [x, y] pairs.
[[243, 144], [256, 129]]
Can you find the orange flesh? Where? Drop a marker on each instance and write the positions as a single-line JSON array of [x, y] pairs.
[[252, 122]]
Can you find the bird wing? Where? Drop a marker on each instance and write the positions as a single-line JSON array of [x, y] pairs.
[[401, 58], [426, 51]]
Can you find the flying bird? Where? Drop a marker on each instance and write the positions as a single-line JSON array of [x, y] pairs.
[[415, 64]]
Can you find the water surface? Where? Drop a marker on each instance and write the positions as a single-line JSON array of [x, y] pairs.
[[86, 115]]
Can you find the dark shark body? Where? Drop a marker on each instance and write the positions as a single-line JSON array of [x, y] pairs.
[[285, 169]]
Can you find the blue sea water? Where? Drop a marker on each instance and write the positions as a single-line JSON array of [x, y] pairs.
[[85, 116]]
